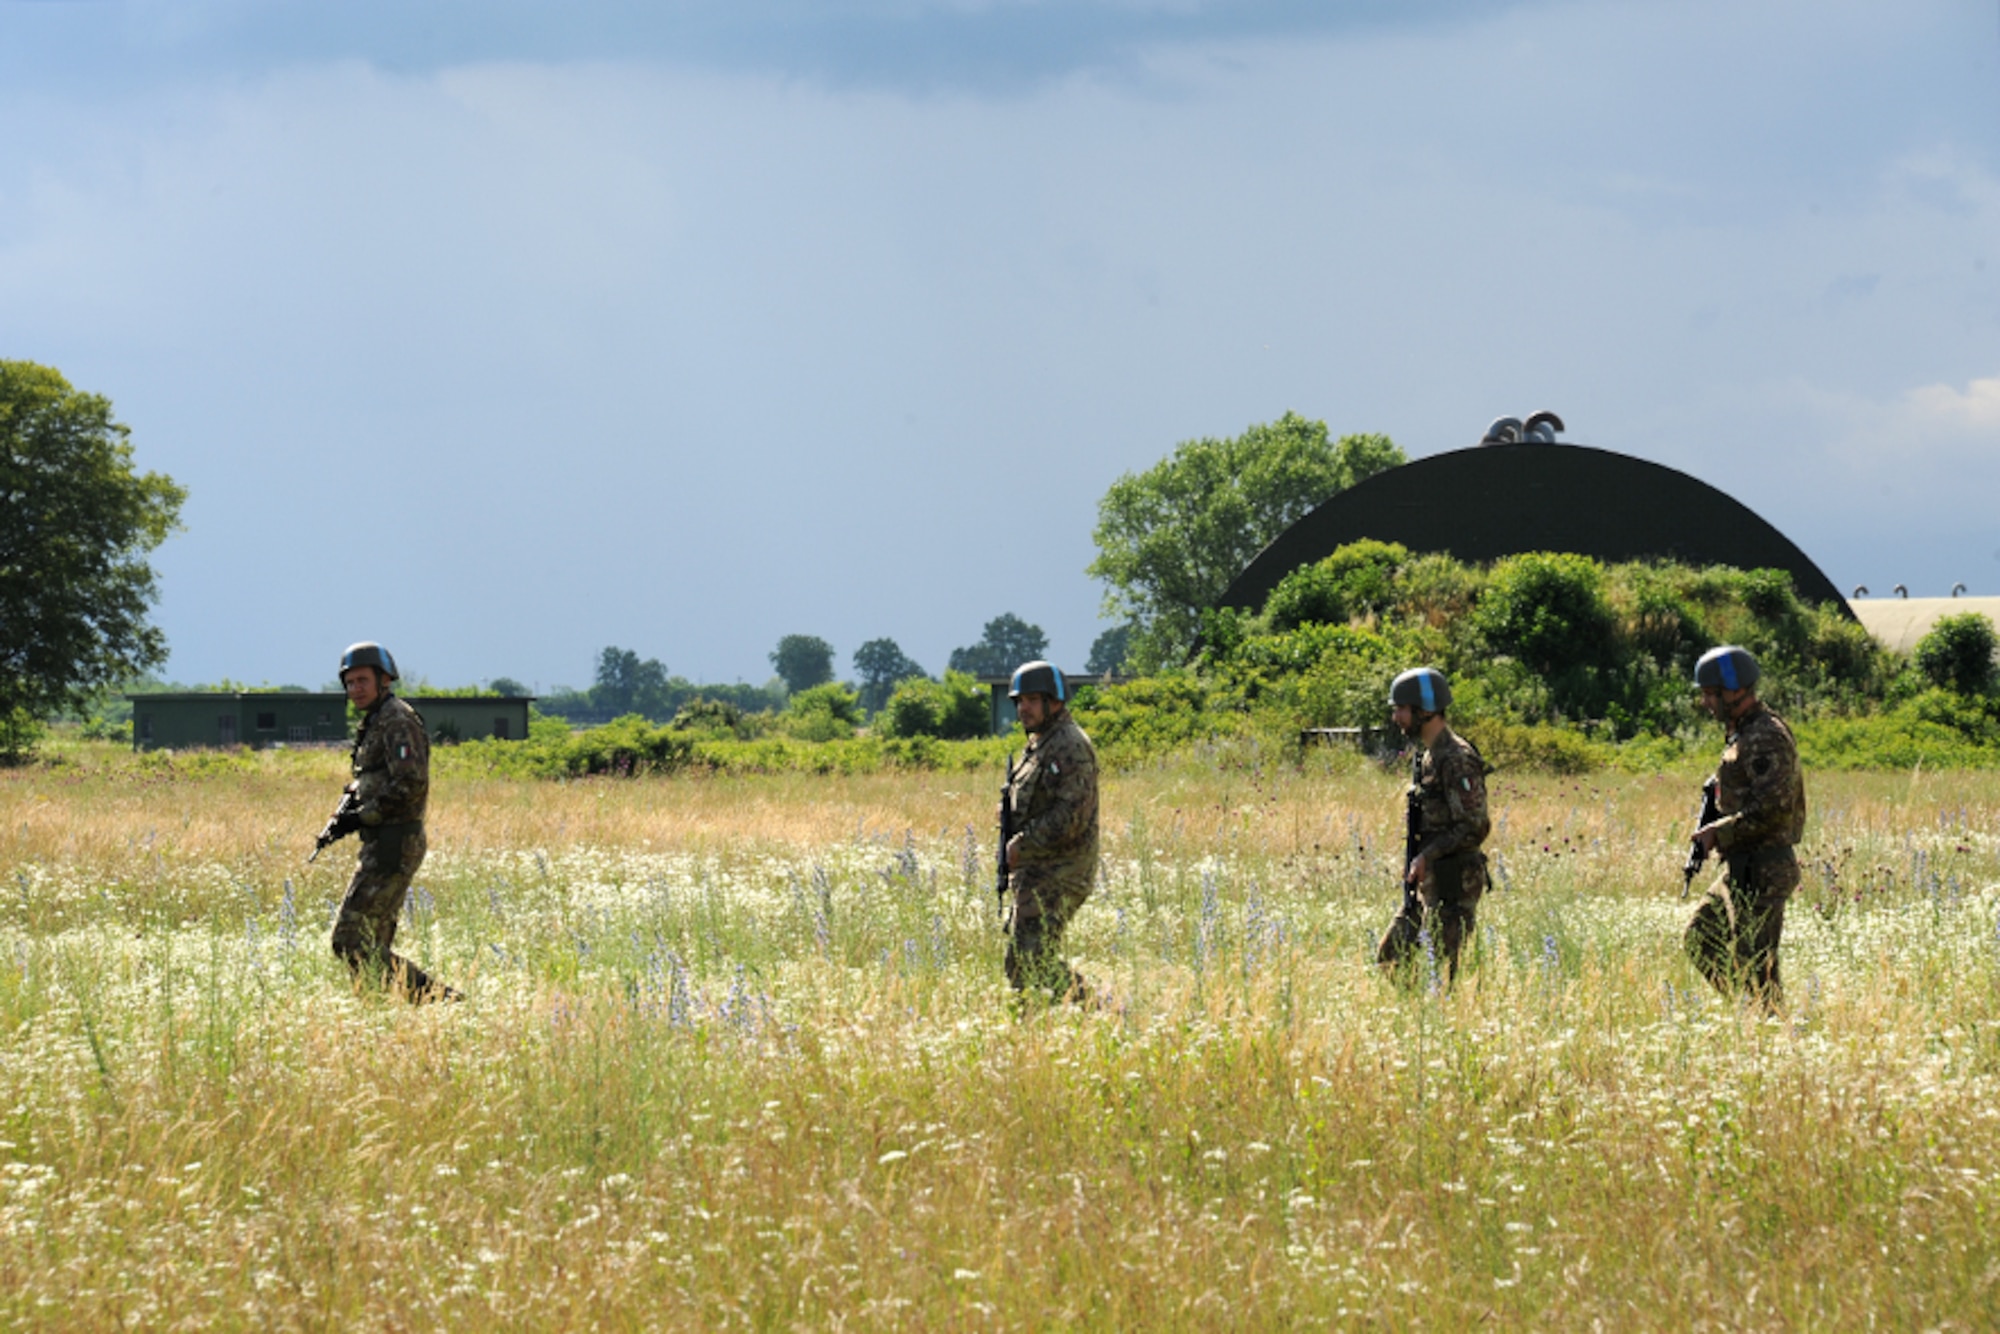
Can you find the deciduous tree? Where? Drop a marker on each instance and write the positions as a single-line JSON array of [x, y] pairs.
[[1008, 642], [76, 523], [803, 661], [1171, 539], [880, 664]]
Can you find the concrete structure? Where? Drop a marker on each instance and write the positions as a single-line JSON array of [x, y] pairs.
[[1490, 501], [1901, 622], [264, 718]]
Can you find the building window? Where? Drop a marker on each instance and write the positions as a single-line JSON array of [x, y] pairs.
[[296, 733], [225, 729], [267, 722], [500, 728], [146, 729]]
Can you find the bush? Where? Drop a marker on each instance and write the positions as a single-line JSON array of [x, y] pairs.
[[828, 712], [1548, 610], [1357, 581], [1152, 714], [710, 717], [1957, 654], [957, 708], [1535, 747], [626, 747]]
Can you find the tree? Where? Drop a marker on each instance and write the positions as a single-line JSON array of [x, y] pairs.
[[1109, 650], [881, 664], [1008, 642], [506, 685], [76, 522], [628, 684], [1171, 539], [803, 661]]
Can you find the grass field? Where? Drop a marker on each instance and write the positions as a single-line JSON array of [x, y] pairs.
[[737, 1055]]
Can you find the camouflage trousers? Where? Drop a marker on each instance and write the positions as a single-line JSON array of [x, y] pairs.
[[1446, 905], [1734, 936], [1035, 938], [366, 927]]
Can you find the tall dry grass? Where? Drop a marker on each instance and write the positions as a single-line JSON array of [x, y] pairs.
[[737, 1054]]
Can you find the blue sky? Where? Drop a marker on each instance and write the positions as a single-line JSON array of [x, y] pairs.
[[501, 333]]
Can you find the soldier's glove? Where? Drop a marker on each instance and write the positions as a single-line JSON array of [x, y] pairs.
[[367, 816]]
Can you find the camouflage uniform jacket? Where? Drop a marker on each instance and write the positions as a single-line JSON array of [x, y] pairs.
[[1450, 786], [392, 764], [1761, 791], [1054, 799]]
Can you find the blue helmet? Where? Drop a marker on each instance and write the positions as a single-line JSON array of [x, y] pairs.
[[1038, 678], [367, 654], [1423, 689], [1726, 668]]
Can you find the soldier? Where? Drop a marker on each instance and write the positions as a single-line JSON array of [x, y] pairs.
[[1052, 856], [391, 786], [1761, 795], [1444, 872]]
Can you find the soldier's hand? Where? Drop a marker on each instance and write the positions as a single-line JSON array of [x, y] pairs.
[[1013, 852], [1415, 874], [1706, 837]]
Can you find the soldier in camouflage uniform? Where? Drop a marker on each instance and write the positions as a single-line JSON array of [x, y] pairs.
[[1761, 794], [1445, 872], [1052, 856], [388, 795]]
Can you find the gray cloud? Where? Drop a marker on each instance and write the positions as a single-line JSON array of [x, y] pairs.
[[636, 351]]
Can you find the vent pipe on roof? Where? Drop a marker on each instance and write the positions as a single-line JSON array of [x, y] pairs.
[[1900, 590], [1956, 589], [1860, 591], [1539, 429]]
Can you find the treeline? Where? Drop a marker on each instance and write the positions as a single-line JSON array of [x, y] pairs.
[[803, 696]]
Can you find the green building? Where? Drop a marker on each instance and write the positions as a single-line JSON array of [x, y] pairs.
[[256, 718], [264, 718], [450, 718]]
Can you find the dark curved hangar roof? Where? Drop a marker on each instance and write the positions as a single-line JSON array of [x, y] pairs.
[[1490, 501]]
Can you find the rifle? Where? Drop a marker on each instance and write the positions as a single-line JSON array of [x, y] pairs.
[[346, 818], [1006, 833], [1413, 838], [1711, 811]]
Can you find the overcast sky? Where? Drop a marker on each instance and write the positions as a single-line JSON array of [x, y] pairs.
[[504, 331]]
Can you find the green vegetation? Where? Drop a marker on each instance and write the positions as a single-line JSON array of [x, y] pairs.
[[1558, 662], [737, 1054], [1170, 539], [881, 665], [802, 662], [76, 524], [1006, 643]]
